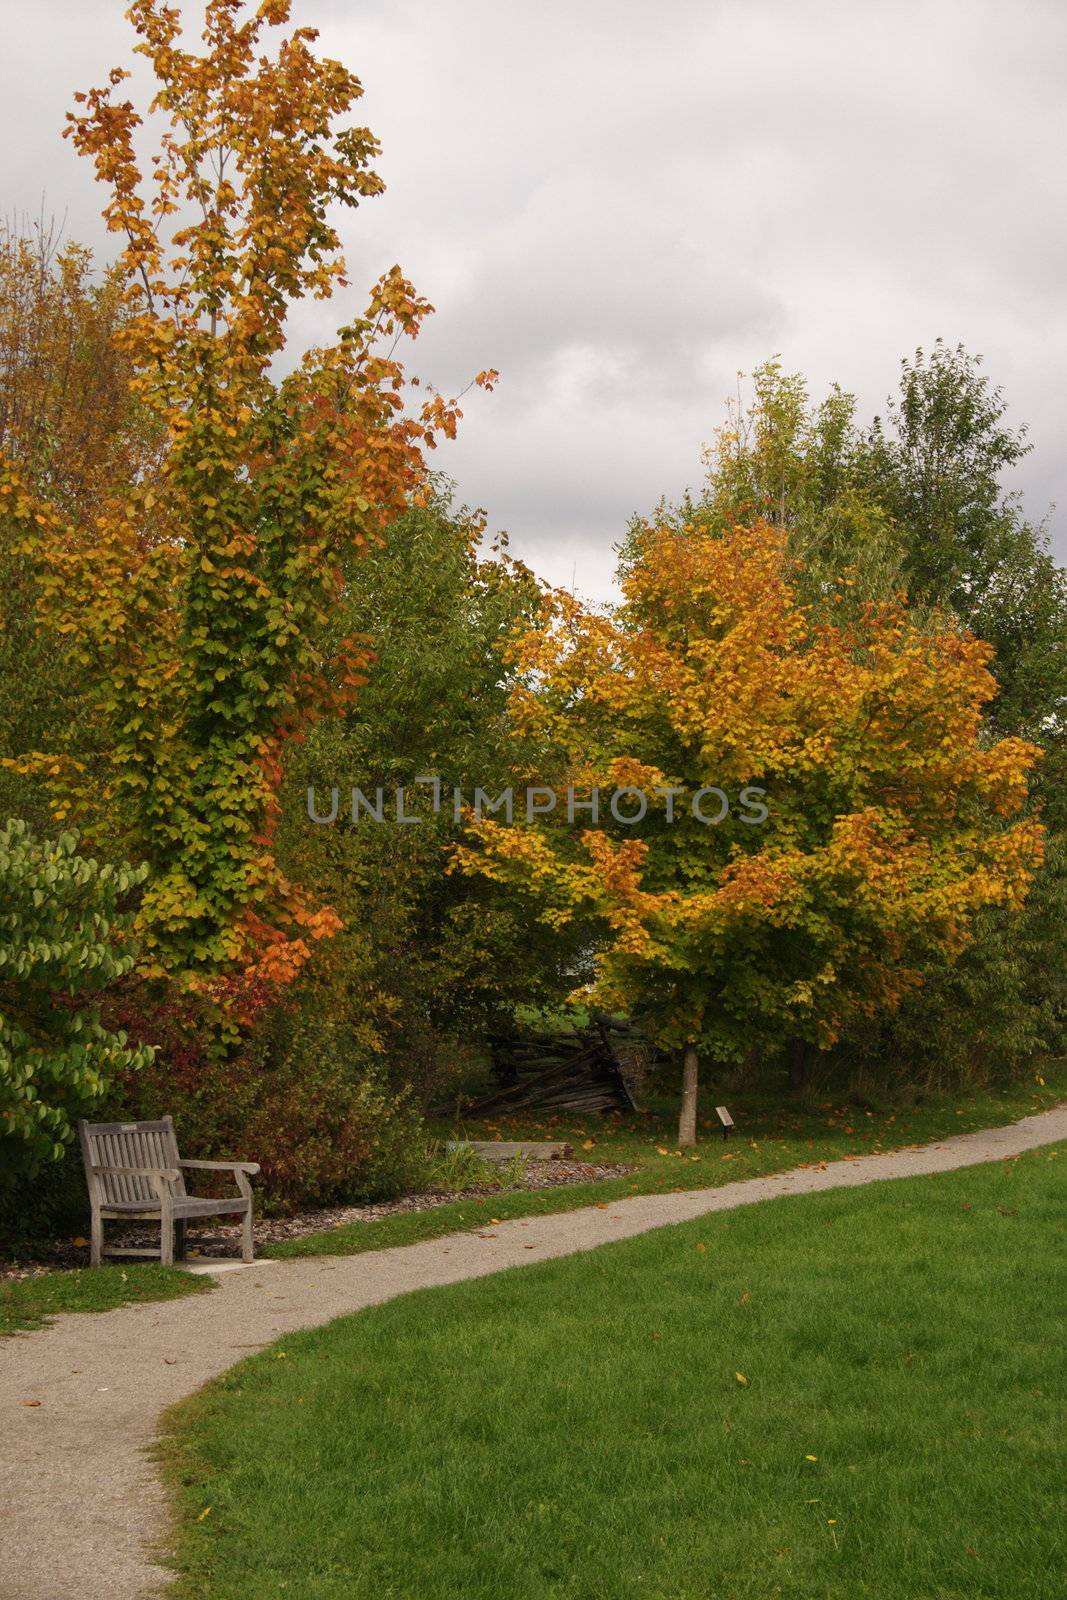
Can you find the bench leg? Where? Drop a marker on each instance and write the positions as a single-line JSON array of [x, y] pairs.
[[96, 1239], [179, 1240], [166, 1239], [247, 1250]]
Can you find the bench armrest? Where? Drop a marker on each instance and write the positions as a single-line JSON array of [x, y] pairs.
[[222, 1166]]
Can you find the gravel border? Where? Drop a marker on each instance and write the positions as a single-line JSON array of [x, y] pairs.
[[222, 1239]]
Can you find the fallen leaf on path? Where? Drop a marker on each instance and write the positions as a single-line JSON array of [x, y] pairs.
[[29, 1402], [205, 1513], [740, 1377]]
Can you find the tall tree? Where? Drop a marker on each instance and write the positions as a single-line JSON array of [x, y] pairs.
[[199, 600], [915, 501], [936, 462], [429, 961], [799, 466]]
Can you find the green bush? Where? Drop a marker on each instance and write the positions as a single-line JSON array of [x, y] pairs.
[[52, 1204], [998, 1013], [62, 941]]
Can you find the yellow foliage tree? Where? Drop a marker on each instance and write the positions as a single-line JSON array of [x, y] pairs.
[[818, 805]]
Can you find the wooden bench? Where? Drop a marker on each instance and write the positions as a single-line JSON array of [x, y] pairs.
[[133, 1172]]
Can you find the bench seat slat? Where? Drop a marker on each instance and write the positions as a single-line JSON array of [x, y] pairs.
[[184, 1206]]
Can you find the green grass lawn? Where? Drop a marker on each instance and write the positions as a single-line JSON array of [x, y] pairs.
[[31, 1302], [851, 1394], [772, 1136]]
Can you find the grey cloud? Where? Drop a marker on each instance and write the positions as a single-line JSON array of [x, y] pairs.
[[621, 205]]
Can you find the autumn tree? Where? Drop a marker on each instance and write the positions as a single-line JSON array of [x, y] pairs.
[[78, 436], [714, 692], [67, 417], [918, 502], [913, 501], [196, 602]]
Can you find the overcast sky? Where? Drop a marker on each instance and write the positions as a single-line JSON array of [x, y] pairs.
[[620, 206]]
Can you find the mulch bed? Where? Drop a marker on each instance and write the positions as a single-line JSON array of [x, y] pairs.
[[223, 1239]]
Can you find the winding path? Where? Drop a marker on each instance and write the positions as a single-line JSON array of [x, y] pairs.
[[80, 1505]]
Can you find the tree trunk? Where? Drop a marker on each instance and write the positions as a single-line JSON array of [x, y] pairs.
[[687, 1121], [798, 1064]]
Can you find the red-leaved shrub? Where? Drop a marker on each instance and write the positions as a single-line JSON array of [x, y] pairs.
[[298, 1094]]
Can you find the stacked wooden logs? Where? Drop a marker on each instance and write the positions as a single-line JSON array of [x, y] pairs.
[[594, 1068]]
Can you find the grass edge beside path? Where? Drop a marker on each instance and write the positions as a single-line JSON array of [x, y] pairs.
[[30, 1303], [714, 1164]]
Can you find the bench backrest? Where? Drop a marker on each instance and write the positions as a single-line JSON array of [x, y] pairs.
[[127, 1144]]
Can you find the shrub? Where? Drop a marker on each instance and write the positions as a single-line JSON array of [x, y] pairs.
[[997, 1013], [52, 1204], [62, 941], [300, 1095]]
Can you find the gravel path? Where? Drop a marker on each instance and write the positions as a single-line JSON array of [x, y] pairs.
[[80, 1501]]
